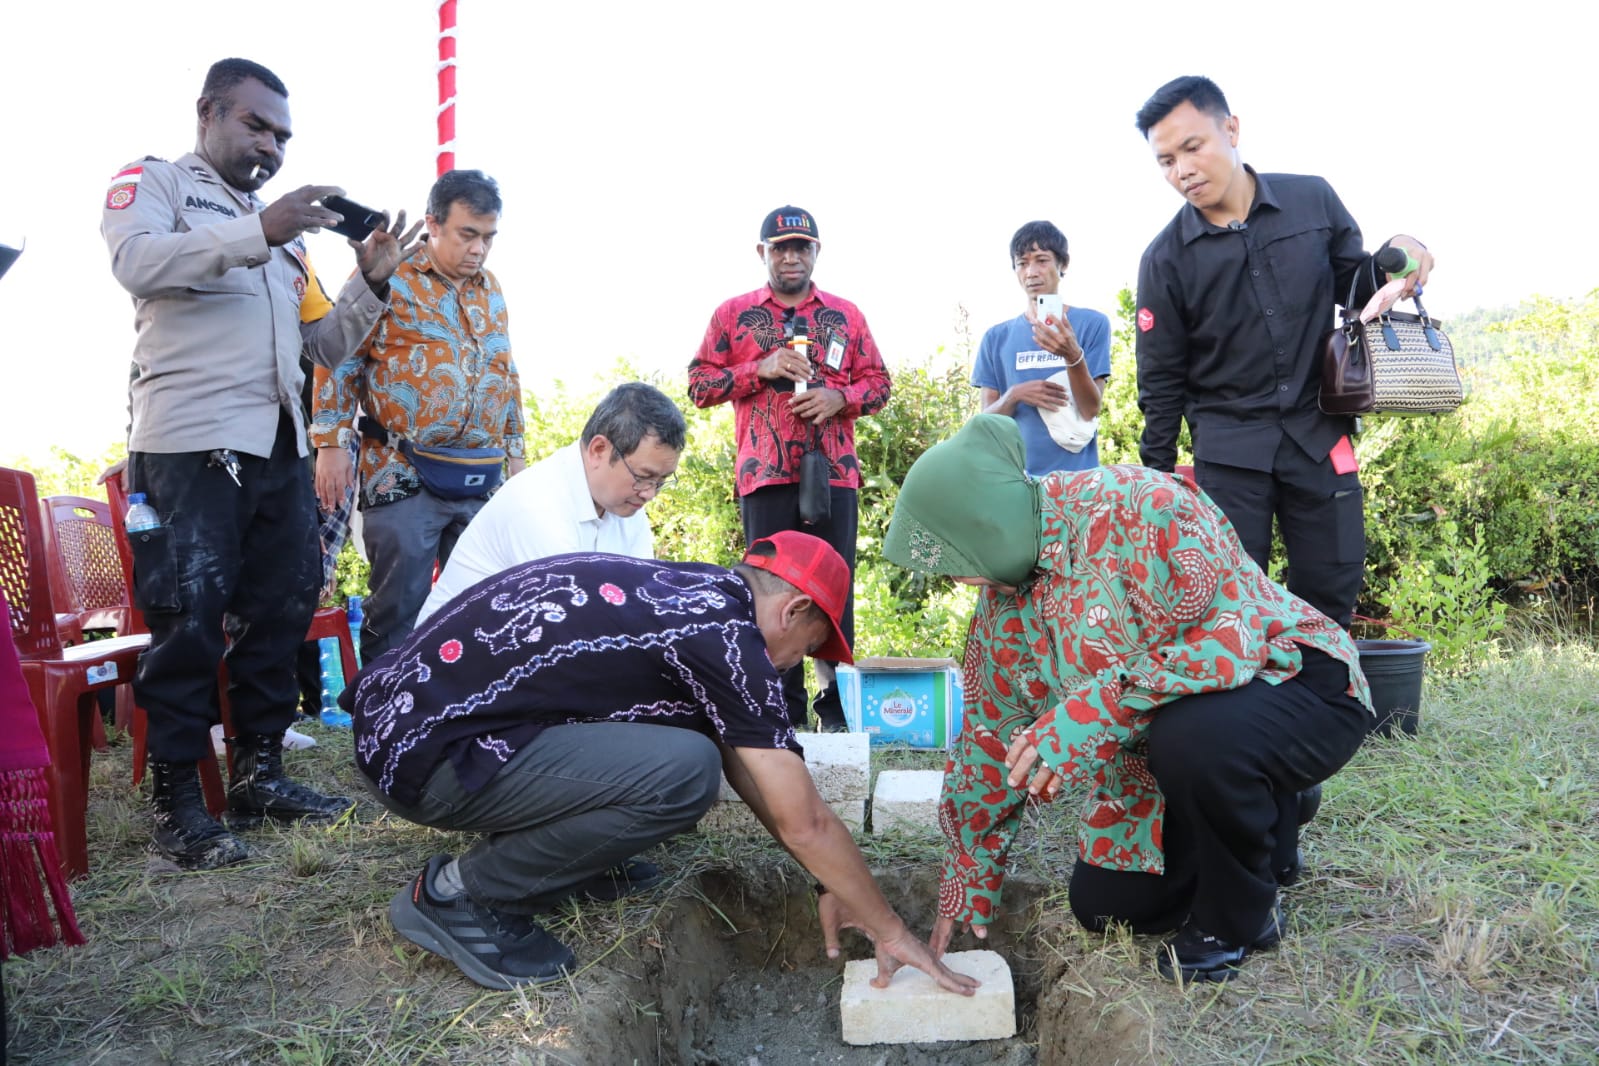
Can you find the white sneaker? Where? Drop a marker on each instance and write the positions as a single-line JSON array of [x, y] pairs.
[[293, 740]]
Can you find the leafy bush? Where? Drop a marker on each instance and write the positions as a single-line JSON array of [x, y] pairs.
[[1518, 466], [896, 612]]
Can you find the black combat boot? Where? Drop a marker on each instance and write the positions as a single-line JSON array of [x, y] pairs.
[[260, 789], [185, 832]]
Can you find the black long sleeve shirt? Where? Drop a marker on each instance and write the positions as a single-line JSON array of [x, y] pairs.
[[1230, 322]]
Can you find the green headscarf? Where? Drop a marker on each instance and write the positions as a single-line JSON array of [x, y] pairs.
[[967, 508]]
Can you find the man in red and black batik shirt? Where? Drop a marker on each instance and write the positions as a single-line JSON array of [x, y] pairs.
[[800, 366]]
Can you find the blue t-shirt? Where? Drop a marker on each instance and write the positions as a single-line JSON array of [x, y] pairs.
[[1009, 355]]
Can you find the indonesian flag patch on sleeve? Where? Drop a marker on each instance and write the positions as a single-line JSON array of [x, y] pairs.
[[124, 187], [1146, 320]]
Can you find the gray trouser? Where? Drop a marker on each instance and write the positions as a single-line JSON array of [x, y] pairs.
[[403, 540], [577, 801]]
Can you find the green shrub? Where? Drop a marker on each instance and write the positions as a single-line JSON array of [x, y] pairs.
[[1518, 466]]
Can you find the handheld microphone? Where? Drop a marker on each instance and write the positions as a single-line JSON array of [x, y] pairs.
[[801, 342], [1395, 262]]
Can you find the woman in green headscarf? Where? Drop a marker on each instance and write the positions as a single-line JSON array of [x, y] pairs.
[[1125, 641]]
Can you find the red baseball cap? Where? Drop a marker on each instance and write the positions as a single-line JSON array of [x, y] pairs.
[[811, 565]]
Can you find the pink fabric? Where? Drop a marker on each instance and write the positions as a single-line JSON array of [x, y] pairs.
[[29, 865]]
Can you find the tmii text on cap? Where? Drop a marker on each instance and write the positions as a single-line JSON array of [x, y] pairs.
[[789, 223]]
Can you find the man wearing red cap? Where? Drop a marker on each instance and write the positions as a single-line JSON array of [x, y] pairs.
[[578, 709], [799, 366]]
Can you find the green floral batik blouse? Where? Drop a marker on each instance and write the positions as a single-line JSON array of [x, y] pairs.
[[1143, 594]]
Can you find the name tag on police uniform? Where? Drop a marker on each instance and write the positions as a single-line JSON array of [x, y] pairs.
[[1037, 360]]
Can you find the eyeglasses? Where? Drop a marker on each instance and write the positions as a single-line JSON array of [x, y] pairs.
[[656, 484]]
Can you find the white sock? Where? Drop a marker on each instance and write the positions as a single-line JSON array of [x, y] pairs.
[[447, 882]]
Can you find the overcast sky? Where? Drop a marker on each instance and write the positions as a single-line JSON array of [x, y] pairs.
[[639, 145]]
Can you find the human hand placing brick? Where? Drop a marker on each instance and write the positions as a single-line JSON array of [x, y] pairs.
[[901, 948]]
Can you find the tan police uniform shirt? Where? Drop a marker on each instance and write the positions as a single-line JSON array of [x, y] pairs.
[[217, 311]]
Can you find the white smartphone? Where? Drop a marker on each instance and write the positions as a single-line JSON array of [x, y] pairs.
[[1050, 306]]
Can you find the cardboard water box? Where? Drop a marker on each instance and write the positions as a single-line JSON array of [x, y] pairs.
[[911, 702]]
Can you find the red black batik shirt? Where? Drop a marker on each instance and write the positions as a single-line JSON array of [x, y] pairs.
[[771, 440]]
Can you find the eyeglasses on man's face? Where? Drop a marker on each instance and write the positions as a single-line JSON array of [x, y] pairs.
[[642, 484]]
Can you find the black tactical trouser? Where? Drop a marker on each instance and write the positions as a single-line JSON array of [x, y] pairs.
[[233, 570]]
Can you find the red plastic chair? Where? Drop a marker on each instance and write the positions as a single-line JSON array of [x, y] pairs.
[[326, 622], [86, 571], [138, 726], [86, 580], [61, 680]]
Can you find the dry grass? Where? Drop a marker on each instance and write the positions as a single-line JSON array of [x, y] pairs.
[[1450, 915]]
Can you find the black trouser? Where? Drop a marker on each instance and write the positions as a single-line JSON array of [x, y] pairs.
[[308, 675], [1228, 763], [776, 507], [240, 559], [1321, 515]]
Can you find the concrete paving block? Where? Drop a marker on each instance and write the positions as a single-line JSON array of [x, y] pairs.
[[840, 766], [906, 801], [914, 1010], [735, 816]]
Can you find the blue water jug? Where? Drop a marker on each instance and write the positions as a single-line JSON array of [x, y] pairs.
[[332, 683], [353, 612]]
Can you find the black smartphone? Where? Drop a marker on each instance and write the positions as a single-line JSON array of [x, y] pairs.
[[358, 221]]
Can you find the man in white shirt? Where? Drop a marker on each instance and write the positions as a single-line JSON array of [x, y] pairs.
[[587, 497]]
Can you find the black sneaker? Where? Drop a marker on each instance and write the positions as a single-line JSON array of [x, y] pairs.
[[495, 948], [1202, 957], [633, 876]]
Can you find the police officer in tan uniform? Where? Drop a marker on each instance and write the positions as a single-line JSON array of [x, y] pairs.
[[224, 301]]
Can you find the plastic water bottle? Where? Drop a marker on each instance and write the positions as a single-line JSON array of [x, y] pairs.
[[332, 683], [141, 516], [353, 613]]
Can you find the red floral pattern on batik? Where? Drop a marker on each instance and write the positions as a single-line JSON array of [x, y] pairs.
[[450, 651], [1145, 595]]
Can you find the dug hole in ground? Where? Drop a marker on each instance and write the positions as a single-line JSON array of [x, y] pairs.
[[734, 975]]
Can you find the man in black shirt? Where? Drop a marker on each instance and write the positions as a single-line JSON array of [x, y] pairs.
[[1234, 296]]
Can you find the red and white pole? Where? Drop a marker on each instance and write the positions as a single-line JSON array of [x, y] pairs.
[[446, 86]]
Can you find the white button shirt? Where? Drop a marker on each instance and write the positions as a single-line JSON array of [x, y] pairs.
[[545, 510]]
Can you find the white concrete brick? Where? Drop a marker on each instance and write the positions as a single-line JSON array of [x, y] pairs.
[[840, 766], [914, 1010], [734, 816], [906, 801]]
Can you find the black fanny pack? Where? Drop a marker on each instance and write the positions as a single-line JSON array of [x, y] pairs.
[[448, 473]]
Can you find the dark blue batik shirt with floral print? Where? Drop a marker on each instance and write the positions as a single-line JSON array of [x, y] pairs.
[[568, 639]]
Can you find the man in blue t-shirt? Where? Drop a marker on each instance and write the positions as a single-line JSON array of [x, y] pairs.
[[1047, 375], [577, 709]]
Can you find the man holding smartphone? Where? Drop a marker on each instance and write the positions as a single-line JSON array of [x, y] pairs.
[[1047, 367], [217, 445], [437, 372], [789, 398]]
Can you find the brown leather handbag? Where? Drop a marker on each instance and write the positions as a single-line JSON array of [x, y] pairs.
[[1397, 364]]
